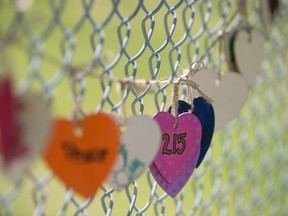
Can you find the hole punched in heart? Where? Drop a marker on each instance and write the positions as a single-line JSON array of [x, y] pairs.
[[78, 128]]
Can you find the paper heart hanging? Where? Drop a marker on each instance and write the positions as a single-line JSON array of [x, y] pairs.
[[139, 146], [25, 125], [228, 95], [244, 52], [35, 125], [205, 113], [83, 162], [180, 146]]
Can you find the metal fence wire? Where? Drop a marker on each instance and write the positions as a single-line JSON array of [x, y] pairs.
[[46, 44]]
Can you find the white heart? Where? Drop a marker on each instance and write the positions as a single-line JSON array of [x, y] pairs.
[[35, 125], [248, 51], [229, 96], [139, 146]]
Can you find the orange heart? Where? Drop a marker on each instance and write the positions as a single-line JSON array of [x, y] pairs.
[[83, 162]]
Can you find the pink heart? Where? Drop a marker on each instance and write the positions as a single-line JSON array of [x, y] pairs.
[[180, 146]]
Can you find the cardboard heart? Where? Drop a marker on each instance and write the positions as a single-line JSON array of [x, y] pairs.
[[246, 50], [177, 144], [228, 95], [83, 161], [205, 113], [140, 143], [25, 125], [34, 122]]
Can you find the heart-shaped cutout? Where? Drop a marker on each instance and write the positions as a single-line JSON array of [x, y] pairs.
[[177, 144], [205, 113], [139, 146], [228, 95], [83, 161], [245, 51], [34, 122], [25, 125]]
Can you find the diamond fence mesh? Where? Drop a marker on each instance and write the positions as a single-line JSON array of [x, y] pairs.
[[49, 44]]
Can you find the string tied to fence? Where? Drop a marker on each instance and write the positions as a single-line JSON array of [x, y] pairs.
[[186, 79]]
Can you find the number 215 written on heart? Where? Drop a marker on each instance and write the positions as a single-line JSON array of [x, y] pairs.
[[177, 138]]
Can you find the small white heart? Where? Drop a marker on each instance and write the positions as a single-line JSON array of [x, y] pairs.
[[229, 96], [139, 146]]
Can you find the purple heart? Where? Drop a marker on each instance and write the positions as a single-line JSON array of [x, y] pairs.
[[179, 151]]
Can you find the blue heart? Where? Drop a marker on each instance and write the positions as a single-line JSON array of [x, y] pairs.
[[205, 113]]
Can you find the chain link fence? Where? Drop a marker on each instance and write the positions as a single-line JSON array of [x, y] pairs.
[[49, 44]]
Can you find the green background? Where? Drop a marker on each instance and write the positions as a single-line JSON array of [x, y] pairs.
[[216, 183]]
